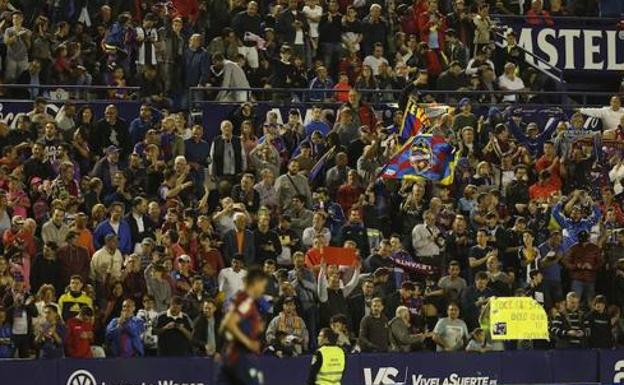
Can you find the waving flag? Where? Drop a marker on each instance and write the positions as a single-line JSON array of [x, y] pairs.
[[423, 156], [320, 165], [415, 120]]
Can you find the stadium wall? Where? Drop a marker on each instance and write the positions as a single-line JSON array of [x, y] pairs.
[[518, 367]]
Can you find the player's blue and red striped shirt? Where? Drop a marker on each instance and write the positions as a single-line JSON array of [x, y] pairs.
[[250, 323]]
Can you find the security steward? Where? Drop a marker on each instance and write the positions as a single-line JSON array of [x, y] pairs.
[[328, 362]]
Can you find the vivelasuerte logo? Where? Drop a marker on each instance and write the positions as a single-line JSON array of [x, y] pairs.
[[84, 377], [390, 376]]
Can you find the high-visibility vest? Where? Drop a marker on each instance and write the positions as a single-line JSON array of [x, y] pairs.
[[332, 367]]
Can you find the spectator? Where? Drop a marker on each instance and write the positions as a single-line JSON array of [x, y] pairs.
[[79, 335], [373, 336], [106, 264], [401, 340], [566, 325], [240, 241], [537, 16], [452, 284], [233, 76], [455, 49], [291, 185], [73, 258], [231, 278], [427, 240], [610, 116], [50, 334], [158, 287], [333, 298], [291, 324], [206, 336], [123, 333], [478, 342], [374, 28], [46, 269], [227, 153], [508, 81], [599, 325], [452, 79], [583, 261], [474, 298], [6, 346], [55, 230], [174, 328], [18, 41], [450, 333]]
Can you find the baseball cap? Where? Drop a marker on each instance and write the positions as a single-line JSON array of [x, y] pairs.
[[184, 258], [147, 241]]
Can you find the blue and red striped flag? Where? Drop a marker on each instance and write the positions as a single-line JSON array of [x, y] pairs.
[[320, 164], [415, 121], [423, 156]]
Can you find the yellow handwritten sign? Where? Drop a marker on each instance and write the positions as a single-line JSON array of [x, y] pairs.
[[517, 318]]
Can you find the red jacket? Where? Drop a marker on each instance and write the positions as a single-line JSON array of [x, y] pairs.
[[577, 259], [78, 345]]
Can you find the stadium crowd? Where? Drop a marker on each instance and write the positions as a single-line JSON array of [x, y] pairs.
[[129, 238]]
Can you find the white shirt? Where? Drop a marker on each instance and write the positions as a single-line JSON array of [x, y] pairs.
[[115, 227], [505, 83], [610, 119], [230, 282], [423, 240], [104, 263], [139, 222], [315, 12], [616, 175], [309, 233], [374, 63]]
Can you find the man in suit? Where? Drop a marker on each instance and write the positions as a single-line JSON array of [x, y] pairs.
[[140, 224], [359, 304], [227, 153], [240, 240]]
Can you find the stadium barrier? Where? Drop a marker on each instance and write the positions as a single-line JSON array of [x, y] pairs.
[[211, 114], [517, 367]]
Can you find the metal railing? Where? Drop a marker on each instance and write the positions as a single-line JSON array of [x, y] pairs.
[[579, 21], [62, 92], [306, 96], [285, 96]]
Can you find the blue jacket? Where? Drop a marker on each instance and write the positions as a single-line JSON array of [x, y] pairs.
[[534, 145], [230, 247], [196, 67], [318, 84], [125, 340], [573, 228], [138, 129], [125, 236], [6, 350]]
